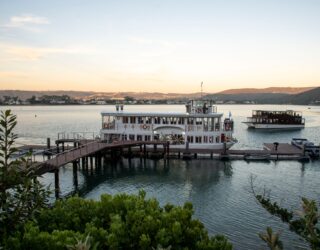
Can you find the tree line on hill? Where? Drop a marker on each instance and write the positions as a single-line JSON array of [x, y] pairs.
[[304, 96]]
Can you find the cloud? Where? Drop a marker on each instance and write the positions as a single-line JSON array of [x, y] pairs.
[[26, 22], [15, 52]]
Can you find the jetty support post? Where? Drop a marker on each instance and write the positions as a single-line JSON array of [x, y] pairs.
[[91, 163], [144, 150], [56, 183], [57, 145], [224, 148], [83, 162], [129, 152], [75, 174]]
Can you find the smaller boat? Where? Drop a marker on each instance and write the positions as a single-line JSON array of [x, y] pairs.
[[257, 157], [308, 146], [264, 119]]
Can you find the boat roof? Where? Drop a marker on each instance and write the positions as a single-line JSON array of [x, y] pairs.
[[280, 111], [162, 114]]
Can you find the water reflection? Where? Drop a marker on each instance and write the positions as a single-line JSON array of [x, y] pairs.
[[198, 174]]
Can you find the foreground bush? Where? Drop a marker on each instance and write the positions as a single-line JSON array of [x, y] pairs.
[[116, 222]]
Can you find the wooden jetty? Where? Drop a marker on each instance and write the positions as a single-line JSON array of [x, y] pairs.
[[91, 152]]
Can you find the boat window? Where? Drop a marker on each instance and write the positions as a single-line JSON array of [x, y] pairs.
[[211, 139], [140, 120], [217, 124], [198, 139], [180, 120], [206, 123], [108, 122], [190, 121], [198, 121], [156, 137], [217, 139], [132, 119], [139, 137], [173, 120], [131, 137], [125, 119], [124, 137], [147, 138], [148, 120], [164, 120], [190, 139], [157, 120]]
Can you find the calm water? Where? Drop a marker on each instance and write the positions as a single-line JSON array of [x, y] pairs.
[[219, 191]]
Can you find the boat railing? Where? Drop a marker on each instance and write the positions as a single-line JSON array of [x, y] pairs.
[[76, 135]]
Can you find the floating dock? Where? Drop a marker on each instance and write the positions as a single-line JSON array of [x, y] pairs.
[[91, 153]]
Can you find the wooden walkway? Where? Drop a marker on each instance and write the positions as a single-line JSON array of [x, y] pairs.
[[84, 151], [96, 146]]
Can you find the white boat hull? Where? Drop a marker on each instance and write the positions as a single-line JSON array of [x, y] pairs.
[[208, 146], [274, 126]]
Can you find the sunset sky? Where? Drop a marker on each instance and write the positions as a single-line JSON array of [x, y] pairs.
[[158, 45]]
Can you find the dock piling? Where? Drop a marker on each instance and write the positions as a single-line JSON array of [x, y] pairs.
[[56, 183]]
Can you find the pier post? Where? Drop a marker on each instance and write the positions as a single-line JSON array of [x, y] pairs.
[[83, 162], [144, 150], [75, 174], [56, 183], [168, 148], [48, 143], [179, 154], [96, 161], [87, 162], [195, 155], [155, 147], [63, 147], [91, 162], [211, 155], [129, 152], [57, 144]]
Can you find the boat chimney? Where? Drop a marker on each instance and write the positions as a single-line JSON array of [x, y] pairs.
[[188, 107]]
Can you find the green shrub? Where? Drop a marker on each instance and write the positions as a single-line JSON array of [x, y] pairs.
[[116, 222]]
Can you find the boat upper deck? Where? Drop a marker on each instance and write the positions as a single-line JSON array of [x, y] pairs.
[[270, 113], [160, 114]]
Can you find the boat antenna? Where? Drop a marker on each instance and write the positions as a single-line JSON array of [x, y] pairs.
[[201, 89]]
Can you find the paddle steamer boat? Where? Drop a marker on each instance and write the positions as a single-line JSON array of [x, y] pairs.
[[264, 119], [201, 126]]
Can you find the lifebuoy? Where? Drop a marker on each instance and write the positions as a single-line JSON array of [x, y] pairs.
[[144, 126]]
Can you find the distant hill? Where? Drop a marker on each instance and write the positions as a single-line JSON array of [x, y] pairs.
[[263, 98], [308, 97], [24, 94], [274, 90], [275, 96], [278, 95]]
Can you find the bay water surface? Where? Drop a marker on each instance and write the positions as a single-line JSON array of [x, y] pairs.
[[220, 191]]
